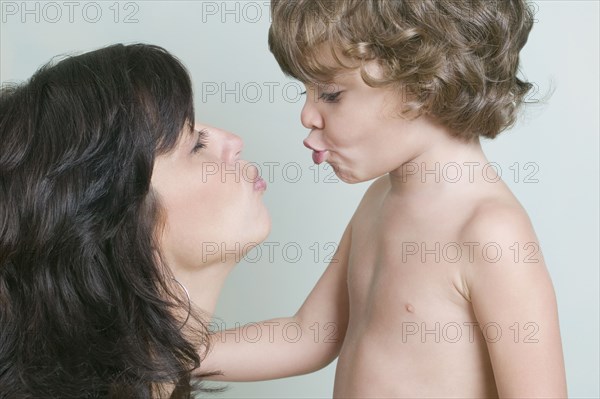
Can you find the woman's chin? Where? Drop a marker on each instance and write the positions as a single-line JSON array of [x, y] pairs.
[[262, 226], [263, 232]]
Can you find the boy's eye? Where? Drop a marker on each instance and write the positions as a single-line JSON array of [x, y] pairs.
[[330, 97], [201, 142]]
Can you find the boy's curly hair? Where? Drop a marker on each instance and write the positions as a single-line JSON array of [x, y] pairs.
[[454, 60]]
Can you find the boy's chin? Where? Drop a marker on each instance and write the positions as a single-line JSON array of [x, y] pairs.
[[353, 178], [344, 177]]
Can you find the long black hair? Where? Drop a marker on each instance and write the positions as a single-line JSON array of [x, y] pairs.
[[86, 308]]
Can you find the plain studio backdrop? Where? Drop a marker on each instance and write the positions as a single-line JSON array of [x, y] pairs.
[[549, 159]]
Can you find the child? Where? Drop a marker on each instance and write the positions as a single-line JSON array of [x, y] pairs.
[[437, 288]]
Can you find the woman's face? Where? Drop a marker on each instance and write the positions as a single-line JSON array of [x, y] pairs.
[[211, 199]]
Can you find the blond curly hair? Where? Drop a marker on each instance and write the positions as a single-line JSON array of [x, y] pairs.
[[454, 60]]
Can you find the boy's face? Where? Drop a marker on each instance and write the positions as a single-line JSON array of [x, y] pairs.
[[357, 128]]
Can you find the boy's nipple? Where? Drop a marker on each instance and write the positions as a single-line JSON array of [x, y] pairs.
[[410, 308]]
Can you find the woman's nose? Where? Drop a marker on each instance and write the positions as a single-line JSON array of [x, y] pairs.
[[232, 147]]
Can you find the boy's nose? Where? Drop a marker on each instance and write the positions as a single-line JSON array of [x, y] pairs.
[[310, 116]]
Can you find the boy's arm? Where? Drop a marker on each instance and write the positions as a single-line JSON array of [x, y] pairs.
[[284, 347], [515, 305]]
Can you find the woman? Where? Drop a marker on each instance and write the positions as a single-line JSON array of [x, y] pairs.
[[110, 195]]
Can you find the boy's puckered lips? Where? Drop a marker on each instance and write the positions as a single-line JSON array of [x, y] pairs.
[[318, 156]]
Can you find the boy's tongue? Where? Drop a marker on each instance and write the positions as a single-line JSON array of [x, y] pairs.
[[319, 156]]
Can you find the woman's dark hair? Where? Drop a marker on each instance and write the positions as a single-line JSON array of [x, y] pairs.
[[87, 308]]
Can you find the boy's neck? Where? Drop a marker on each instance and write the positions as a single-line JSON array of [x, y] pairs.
[[441, 168]]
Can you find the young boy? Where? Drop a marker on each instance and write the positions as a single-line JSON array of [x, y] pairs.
[[437, 288]]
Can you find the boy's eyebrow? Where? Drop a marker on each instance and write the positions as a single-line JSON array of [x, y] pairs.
[[335, 84], [345, 73]]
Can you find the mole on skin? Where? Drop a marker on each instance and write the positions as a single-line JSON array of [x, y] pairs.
[[410, 308]]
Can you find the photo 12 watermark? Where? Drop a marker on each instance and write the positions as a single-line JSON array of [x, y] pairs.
[[249, 12], [469, 252], [251, 92], [409, 252], [407, 332], [53, 12], [454, 332], [292, 172], [272, 331], [273, 252]]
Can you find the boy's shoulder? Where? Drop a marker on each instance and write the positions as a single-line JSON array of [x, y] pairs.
[[497, 219], [504, 249], [375, 192], [379, 187]]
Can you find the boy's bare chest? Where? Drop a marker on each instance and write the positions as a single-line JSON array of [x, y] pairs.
[[402, 267], [410, 319]]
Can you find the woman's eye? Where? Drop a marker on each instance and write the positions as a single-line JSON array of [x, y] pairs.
[[330, 97], [201, 142]]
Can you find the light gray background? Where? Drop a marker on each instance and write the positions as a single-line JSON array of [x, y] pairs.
[[226, 42]]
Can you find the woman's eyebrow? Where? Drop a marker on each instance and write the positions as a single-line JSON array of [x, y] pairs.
[[194, 136], [194, 133], [188, 139]]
